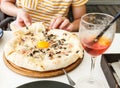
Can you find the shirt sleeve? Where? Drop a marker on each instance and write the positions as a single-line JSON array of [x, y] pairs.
[[18, 3], [76, 3]]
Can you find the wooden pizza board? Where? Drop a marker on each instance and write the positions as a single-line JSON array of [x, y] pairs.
[[38, 74]]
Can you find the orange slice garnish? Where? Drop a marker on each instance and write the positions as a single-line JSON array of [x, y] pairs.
[[104, 41]]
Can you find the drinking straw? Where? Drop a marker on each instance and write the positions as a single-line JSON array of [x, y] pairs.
[[107, 27]]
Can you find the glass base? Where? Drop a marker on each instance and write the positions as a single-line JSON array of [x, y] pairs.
[[89, 83]]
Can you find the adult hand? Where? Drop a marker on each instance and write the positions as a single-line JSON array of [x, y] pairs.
[[23, 19], [61, 23]]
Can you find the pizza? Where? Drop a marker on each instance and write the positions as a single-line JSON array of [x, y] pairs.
[[40, 50]]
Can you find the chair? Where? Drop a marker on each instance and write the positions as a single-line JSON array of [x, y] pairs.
[[4, 23]]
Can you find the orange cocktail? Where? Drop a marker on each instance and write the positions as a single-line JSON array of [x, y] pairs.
[[91, 26], [98, 47]]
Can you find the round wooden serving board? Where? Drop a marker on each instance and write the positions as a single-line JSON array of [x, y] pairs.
[[38, 74]]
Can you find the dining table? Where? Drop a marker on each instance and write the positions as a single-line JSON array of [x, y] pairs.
[[10, 79]]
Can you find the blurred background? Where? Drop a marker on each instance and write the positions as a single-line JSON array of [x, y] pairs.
[[111, 7]]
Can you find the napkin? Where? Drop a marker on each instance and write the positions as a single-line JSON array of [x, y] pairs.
[[116, 67]]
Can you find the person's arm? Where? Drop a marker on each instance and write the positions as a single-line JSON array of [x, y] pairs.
[[9, 8], [64, 23], [77, 13]]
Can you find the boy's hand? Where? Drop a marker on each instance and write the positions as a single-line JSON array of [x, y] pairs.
[[23, 19], [61, 23]]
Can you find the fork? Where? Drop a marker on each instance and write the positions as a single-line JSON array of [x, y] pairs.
[[71, 82]]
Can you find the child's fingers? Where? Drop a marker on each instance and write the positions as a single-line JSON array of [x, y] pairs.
[[70, 27], [20, 22], [57, 22], [27, 20], [64, 24], [52, 23], [23, 18], [17, 24]]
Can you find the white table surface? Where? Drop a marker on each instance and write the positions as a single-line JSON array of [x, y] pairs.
[[10, 79]]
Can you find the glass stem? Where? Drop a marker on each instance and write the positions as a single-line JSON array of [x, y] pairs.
[[93, 59]]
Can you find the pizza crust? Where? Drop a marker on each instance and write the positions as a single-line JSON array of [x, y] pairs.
[[10, 46], [38, 74], [38, 26]]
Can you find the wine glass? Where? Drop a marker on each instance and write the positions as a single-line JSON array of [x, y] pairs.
[[91, 25]]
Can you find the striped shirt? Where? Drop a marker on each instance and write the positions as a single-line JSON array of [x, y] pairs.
[[45, 10]]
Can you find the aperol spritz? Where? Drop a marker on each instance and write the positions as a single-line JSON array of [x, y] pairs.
[[91, 25]]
